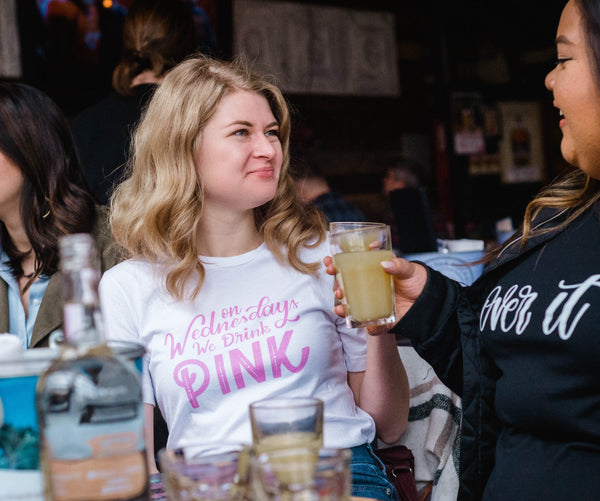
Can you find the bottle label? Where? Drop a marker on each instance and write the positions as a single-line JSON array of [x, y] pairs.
[[113, 471], [18, 424], [20, 474]]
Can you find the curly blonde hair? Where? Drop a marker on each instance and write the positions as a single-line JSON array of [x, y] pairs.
[[155, 212], [574, 191]]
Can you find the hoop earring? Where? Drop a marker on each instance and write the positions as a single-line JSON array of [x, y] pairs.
[[49, 209]]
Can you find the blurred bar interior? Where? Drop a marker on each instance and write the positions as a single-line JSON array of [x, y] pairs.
[[457, 85]]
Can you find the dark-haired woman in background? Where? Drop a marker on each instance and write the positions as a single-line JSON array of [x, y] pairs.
[[157, 34], [43, 196]]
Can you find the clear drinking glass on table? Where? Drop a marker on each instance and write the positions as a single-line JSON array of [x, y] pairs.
[[358, 248], [205, 472], [286, 422], [300, 474]]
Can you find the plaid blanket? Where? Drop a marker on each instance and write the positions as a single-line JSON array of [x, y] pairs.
[[433, 432]]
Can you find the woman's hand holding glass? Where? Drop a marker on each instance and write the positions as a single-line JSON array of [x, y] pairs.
[[409, 282]]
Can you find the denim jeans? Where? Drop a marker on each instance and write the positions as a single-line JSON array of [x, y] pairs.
[[369, 479]]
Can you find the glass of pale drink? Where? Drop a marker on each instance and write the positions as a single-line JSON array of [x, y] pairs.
[[205, 471], [358, 248], [301, 474], [286, 422]]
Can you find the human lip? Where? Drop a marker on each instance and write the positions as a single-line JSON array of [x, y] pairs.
[[263, 172], [562, 121]]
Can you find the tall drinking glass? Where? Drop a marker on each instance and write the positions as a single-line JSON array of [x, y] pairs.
[[279, 423], [358, 249]]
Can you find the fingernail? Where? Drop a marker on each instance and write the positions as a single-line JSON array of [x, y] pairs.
[[387, 265]]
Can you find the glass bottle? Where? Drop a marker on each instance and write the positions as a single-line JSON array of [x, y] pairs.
[[89, 401]]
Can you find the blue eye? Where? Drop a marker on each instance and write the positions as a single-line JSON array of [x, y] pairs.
[[273, 132], [241, 132]]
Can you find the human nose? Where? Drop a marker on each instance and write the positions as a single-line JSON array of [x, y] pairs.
[[549, 80], [264, 147]]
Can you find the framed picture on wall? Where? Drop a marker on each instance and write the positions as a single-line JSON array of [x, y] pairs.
[[521, 147], [468, 123]]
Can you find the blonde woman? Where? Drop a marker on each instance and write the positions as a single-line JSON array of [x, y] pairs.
[[522, 344], [225, 285]]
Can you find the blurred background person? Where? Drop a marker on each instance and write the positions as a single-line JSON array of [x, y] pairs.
[[157, 34], [401, 173], [313, 188], [43, 196], [407, 208]]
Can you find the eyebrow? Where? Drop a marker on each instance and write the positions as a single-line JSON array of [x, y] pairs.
[[562, 39], [249, 124]]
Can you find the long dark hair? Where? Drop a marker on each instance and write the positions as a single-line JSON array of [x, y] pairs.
[[55, 198], [590, 19]]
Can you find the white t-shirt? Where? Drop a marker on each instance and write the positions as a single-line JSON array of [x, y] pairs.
[[257, 329]]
